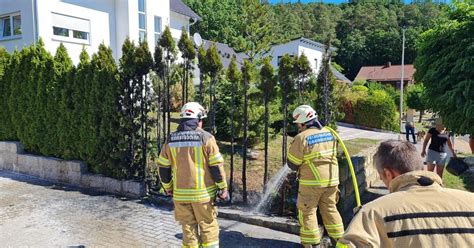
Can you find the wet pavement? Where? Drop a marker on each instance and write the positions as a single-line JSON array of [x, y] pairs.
[[37, 213]]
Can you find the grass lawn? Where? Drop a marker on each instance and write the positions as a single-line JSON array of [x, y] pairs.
[[463, 182], [255, 168]]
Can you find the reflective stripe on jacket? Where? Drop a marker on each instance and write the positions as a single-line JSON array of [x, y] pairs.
[[196, 165], [421, 213], [313, 152]]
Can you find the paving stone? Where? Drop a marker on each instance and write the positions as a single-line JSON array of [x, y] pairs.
[[37, 213]]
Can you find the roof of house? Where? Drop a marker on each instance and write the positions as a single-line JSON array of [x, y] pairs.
[[225, 52], [385, 73], [339, 76], [179, 7], [309, 42]]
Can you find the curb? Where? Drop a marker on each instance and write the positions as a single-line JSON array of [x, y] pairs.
[[275, 223]]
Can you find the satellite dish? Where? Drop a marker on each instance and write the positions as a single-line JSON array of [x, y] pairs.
[[197, 39]]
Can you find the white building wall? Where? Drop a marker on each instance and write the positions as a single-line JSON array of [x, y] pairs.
[[110, 22], [177, 23], [290, 48], [312, 54], [25, 8], [297, 48], [98, 31]]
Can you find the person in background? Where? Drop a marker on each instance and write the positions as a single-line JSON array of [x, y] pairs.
[[436, 155], [410, 125], [418, 212]]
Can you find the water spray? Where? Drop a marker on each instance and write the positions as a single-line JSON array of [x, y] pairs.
[[351, 167]]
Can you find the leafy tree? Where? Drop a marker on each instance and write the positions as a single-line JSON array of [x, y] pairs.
[[188, 54], [444, 65], [416, 98], [267, 75], [169, 47]]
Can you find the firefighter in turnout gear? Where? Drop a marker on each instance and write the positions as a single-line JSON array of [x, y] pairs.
[[191, 169], [313, 154], [418, 212]]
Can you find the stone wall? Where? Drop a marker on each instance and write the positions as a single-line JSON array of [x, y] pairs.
[[366, 175], [13, 158]]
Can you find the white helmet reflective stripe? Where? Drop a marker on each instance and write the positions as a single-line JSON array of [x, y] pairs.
[[303, 114], [192, 110]]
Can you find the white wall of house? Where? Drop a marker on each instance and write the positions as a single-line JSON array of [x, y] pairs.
[[74, 18], [177, 23], [24, 9], [295, 47], [315, 56], [105, 21]]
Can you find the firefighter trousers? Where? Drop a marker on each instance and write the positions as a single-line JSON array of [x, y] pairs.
[[309, 199], [199, 224]]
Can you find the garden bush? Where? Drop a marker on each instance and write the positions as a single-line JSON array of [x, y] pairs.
[[377, 110]]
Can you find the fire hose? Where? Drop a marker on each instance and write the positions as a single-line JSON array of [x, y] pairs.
[[351, 167]]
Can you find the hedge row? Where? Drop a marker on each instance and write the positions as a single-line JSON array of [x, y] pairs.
[[370, 108], [57, 109]]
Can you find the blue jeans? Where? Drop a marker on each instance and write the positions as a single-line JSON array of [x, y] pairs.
[[410, 129]]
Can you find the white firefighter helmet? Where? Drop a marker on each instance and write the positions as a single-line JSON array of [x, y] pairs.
[[192, 110], [303, 114]]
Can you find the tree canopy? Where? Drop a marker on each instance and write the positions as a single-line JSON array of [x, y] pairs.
[[444, 64], [365, 32]]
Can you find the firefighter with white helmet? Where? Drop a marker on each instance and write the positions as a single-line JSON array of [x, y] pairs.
[[313, 154], [191, 169]]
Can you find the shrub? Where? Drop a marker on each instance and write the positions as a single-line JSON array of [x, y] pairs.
[[377, 110]]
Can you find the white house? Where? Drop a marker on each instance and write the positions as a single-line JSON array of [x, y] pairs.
[[88, 23], [313, 50]]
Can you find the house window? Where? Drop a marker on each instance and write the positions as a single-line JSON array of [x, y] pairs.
[[315, 64], [80, 35], [70, 29], [10, 26], [157, 28], [61, 31], [141, 20]]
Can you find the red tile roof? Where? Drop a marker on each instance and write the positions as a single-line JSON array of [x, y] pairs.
[[385, 73]]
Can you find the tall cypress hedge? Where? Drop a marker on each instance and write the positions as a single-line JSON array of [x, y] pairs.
[[93, 112], [6, 128]]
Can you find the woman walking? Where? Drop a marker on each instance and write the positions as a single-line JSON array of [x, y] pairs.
[[436, 156]]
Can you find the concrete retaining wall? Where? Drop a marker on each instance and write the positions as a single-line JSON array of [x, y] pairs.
[[13, 158]]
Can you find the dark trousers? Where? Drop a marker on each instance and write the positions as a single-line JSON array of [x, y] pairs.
[[410, 129]]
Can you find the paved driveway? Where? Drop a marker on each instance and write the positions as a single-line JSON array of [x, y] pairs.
[[348, 133], [36, 213]]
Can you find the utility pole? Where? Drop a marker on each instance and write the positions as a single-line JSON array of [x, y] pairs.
[[401, 79]]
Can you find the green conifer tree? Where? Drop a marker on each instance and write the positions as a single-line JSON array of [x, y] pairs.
[[188, 54], [214, 67], [169, 48], [267, 76], [63, 77]]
